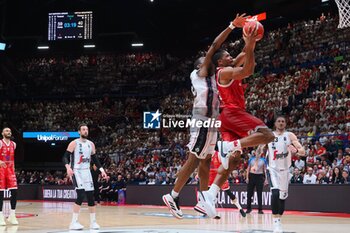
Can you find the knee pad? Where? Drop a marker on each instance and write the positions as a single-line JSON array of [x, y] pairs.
[[90, 198], [80, 197]]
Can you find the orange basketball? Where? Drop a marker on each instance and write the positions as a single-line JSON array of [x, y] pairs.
[[251, 25]]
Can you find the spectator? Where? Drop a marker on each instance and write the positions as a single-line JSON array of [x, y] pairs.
[[310, 177], [337, 177], [300, 164], [296, 178], [346, 177], [322, 178]]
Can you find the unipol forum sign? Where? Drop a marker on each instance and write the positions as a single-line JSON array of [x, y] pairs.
[[49, 136]]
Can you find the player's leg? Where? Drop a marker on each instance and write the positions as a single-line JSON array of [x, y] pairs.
[[12, 185], [234, 199], [77, 182], [2, 218], [2, 189], [207, 198], [206, 178], [203, 173], [241, 123], [198, 147], [75, 225], [273, 178], [283, 179], [171, 199], [13, 201], [92, 209]]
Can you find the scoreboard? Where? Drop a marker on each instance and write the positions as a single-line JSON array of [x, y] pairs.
[[70, 26]]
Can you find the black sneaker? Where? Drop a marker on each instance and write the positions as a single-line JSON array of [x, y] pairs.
[[248, 211], [260, 212], [242, 213]]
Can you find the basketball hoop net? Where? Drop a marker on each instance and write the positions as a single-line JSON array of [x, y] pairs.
[[344, 13]]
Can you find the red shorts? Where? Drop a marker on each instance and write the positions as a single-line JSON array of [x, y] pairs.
[[237, 123], [8, 178], [214, 166]]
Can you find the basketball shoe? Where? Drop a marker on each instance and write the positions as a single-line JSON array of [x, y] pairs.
[[12, 219], [75, 226], [207, 201], [2, 220], [173, 205], [94, 225], [226, 149]]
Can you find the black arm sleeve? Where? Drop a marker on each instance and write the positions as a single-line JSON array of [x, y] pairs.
[[66, 157], [96, 161]]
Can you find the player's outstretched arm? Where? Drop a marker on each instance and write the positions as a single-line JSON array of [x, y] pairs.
[[238, 22], [300, 149]]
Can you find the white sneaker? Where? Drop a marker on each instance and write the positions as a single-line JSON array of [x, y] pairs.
[[208, 202], [76, 226], [2, 220], [226, 149], [277, 227], [173, 205], [200, 209], [12, 219], [94, 226]]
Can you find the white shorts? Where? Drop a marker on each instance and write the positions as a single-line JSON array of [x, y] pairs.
[[82, 179], [279, 180], [202, 141]]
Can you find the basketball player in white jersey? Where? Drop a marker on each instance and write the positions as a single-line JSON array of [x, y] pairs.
[[279, 160], [205, 106], [77, 160]]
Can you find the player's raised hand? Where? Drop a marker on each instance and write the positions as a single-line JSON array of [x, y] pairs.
[[240, 20], [250, 38], [2, 164]]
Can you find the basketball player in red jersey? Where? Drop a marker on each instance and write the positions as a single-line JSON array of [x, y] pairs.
[[236, 123], [7, 175]]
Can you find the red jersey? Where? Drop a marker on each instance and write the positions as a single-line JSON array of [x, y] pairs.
[[7, 152], [232, 94]]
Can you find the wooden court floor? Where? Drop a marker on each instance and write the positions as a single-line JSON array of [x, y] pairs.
[[39, 217]]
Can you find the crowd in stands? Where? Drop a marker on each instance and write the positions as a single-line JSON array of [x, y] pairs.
[[302, 72]]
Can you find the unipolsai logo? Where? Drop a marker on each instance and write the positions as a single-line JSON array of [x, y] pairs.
[[151, 120]]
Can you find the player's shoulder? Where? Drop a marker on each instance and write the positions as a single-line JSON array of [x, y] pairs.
[[91, 142], [194, 73]]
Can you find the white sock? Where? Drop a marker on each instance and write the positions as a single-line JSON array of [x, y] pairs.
[[214, 190], [75, 217], [92, 217], [174, 194], [12, 212]]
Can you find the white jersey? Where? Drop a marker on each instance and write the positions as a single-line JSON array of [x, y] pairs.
[[206, 101], [81, 155], [279, 157]]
